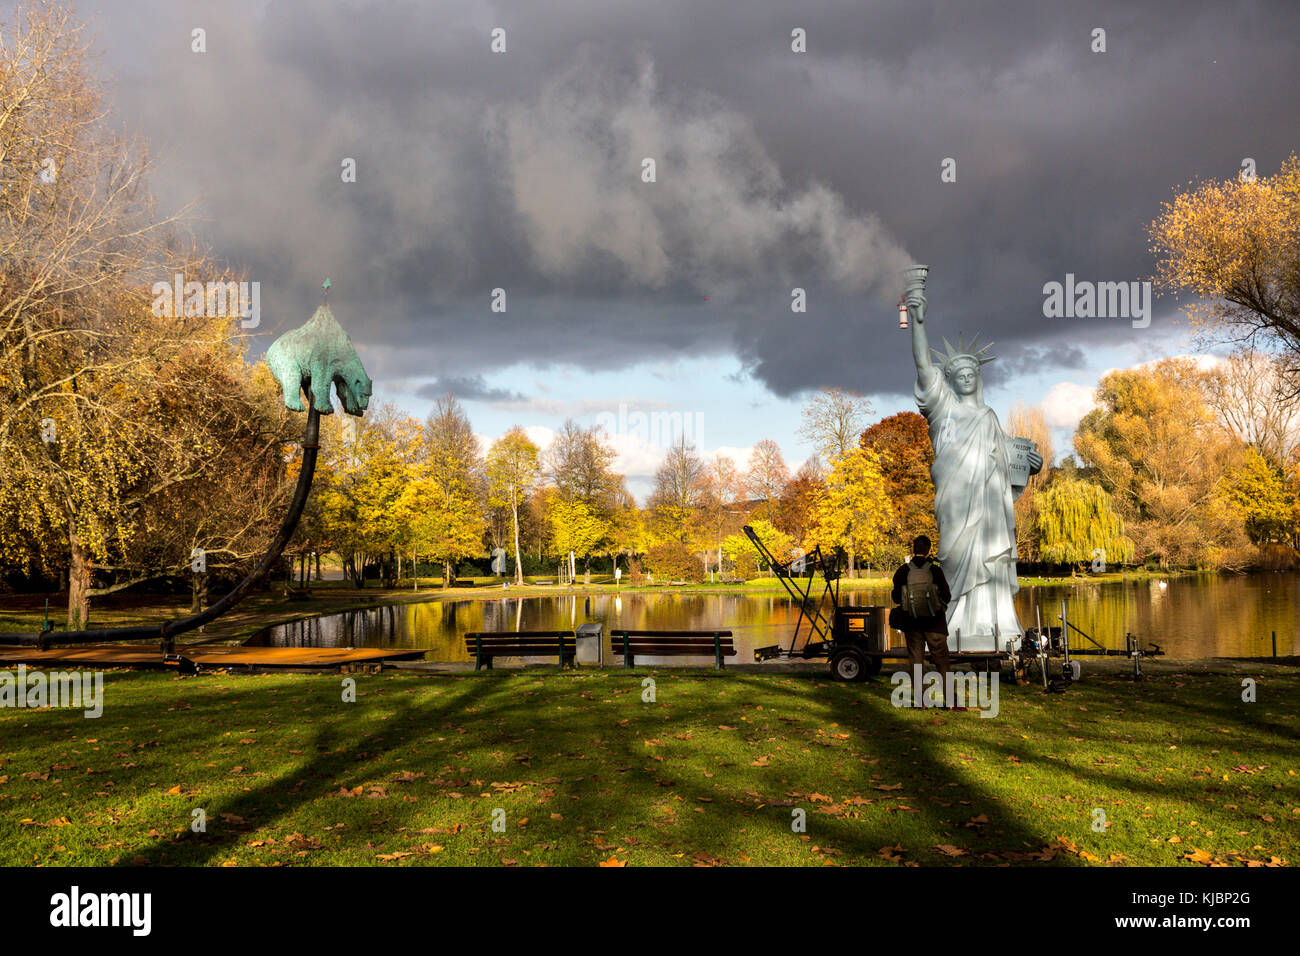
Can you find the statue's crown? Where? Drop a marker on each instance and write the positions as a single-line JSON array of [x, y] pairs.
[[963, 354]]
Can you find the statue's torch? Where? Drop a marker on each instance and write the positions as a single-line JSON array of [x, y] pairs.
[[913, 281]]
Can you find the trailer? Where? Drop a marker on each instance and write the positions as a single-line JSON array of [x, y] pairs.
[[855, 638]]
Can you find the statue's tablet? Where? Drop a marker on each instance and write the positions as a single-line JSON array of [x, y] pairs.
[[1018, 450]]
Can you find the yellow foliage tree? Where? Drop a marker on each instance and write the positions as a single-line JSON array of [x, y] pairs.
[[851, 511], [576, 526], [1158, 450], [1236, 246], [438, 517], [512, 467], [1076, 525]]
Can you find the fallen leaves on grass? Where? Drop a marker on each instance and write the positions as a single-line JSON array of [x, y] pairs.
[[1204, 858]]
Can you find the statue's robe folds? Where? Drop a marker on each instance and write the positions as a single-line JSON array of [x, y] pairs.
[[974, 507]]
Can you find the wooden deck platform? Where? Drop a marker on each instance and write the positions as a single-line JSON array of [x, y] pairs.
[[202, 656]]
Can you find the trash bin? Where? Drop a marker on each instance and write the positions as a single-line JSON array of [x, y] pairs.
[[591, 643]]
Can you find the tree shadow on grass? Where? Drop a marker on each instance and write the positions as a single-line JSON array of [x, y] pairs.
[[906, 751], [761, 801], [583, 738], [339, 761], [891, 746], [635, 799]]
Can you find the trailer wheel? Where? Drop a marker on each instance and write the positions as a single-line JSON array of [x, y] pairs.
[[849, 666]]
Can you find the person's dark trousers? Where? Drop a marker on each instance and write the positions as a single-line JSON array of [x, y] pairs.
[[916, 644]]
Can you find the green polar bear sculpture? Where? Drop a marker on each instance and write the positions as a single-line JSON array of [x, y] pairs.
[[313, 355]]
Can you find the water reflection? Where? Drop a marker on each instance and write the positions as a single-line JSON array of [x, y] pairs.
[[1204, 616]]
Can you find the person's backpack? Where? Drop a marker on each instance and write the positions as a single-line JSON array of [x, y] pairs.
[[920, 595]]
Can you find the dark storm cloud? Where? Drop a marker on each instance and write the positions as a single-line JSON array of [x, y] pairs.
[[775, 169], [469, 387]]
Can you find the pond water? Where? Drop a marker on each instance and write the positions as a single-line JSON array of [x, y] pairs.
[[1190, 617]]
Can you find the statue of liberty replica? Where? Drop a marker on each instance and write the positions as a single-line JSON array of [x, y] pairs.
[[978, 473]]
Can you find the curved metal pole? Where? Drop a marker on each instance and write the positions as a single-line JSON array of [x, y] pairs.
[[310, 448], [168, 629]]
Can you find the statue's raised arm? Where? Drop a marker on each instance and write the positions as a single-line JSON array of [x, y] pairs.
[[914, 299]]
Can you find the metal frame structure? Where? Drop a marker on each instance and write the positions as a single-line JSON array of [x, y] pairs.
[[818, 624]]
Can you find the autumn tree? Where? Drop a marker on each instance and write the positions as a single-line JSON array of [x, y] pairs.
[[1235, 247], [902, 447], [741, 550], [1154, 445], [628, 534], [534, 528], [671, 560], [832, 421], [97, 434], [454, 464], [852, 511], [679, 487], [1027, 421], [767, 474], [1076, 524], [512, 470], [362, 481], [1254, 400], [578, 529], [219, 522], [579, 462], [794, 511], [437, 515], [721, 486], [1259, 490]]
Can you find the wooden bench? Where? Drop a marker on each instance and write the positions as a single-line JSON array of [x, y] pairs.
[[672, 644], [485, 645]]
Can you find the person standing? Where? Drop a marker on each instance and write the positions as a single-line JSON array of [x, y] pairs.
[[921, 593]]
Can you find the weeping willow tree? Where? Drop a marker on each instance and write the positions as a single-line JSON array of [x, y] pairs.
[[1077, 525]]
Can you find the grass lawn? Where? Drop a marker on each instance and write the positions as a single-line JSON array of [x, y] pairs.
[[709, 772]]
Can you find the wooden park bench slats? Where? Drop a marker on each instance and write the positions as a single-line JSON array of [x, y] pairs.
[[485, 645], [672, 644]]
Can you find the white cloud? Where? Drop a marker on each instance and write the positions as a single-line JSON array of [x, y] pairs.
[[1067, 402], [540, 435]]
